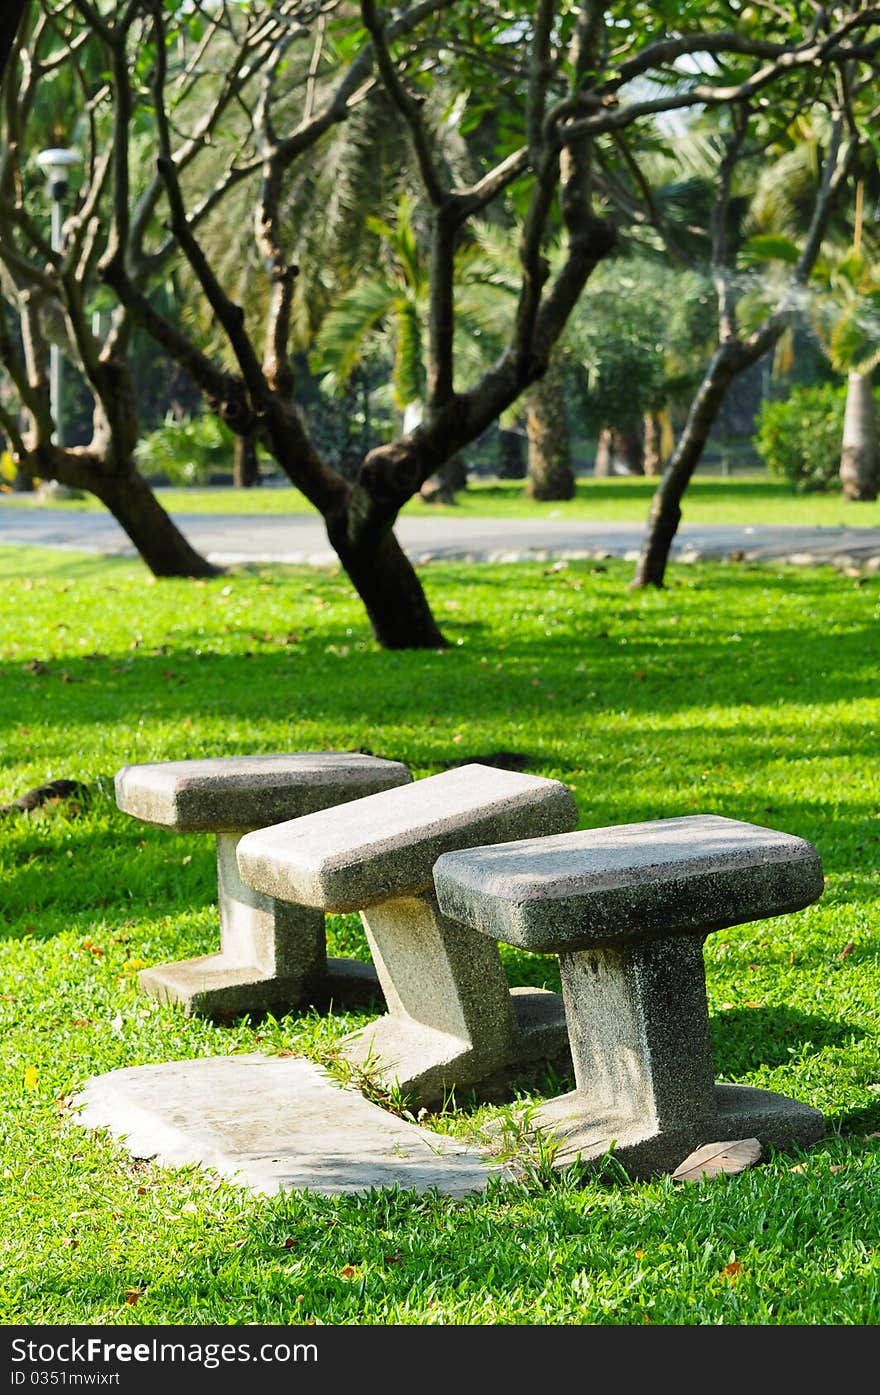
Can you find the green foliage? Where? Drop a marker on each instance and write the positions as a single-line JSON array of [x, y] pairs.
[[186, 450], [846, 309], [798, 437], [639, 333], [392, 301]]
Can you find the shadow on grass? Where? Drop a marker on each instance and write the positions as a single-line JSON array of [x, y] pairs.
[[745, 1038]]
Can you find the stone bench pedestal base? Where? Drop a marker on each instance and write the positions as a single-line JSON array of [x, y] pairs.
[[643, 1062], [628, 909], [582, 1134], [452, 1019], [272, 955]]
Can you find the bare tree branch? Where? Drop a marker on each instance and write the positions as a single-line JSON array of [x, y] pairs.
[[10, 18]]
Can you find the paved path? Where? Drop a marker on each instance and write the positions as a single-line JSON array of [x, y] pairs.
[[227, 539]]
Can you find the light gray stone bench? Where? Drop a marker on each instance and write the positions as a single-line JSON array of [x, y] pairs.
[[452, 1018], [628, 909], [272, 954]]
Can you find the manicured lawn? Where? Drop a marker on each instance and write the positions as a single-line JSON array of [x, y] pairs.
[[743, 690], [737, 499]]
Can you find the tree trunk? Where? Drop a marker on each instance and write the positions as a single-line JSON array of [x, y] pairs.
[[511, 458], [665, 513], [246, 464], [860, 452], [604, 461], [653, 433], [22, 483], [628, 450], [156, 537], [386, 582], [550, 473], [9, 22], [449, 480], [129, 498]]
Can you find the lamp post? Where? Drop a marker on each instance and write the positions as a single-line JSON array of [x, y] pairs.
[[56, 162]]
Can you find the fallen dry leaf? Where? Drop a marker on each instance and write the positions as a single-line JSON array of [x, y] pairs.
[[715, 1158]]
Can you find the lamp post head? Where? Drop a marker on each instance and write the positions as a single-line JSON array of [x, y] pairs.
[[56, 162]]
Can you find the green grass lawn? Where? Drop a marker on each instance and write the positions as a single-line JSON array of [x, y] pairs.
[[736, 499], [744, 690]]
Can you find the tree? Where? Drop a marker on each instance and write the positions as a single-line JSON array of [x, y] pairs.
[[846, 314], [59, 69], [10, 18], [545, 92], [637, 332], [737, 349]]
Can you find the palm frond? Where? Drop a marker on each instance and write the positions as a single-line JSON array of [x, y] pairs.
[[340, 342], [769, 247], [409, 358]]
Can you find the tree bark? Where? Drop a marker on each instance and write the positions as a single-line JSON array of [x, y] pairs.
[[665, 512], [628, 450], [129, 498], [22, 483], [550, 473], [652, 455], [386, 582], [13, 10], [604, 461], [511, 458], [449, 480], [860, 451], [155, 535], [246, 464]]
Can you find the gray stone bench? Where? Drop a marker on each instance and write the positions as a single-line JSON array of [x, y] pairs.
[[272, 954], [627, 909], [452, 1018]]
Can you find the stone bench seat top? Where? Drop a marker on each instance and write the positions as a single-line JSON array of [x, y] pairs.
[[386, 844], [628, 882], [227, 793]]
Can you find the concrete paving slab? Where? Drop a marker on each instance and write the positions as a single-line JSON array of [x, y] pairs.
[[273, 1124]]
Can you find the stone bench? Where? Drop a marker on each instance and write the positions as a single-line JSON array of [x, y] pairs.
[[272, 954], [627, 909], [452, 1018]]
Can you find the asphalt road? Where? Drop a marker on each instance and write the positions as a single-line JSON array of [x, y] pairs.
[[227, 539]]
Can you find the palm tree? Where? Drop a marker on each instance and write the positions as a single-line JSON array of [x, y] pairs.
[[842, 305], [846, 316], [394, 301], [749, 326]]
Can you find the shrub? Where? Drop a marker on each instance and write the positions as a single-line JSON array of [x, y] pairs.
[[800, 437], [187, 450]]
